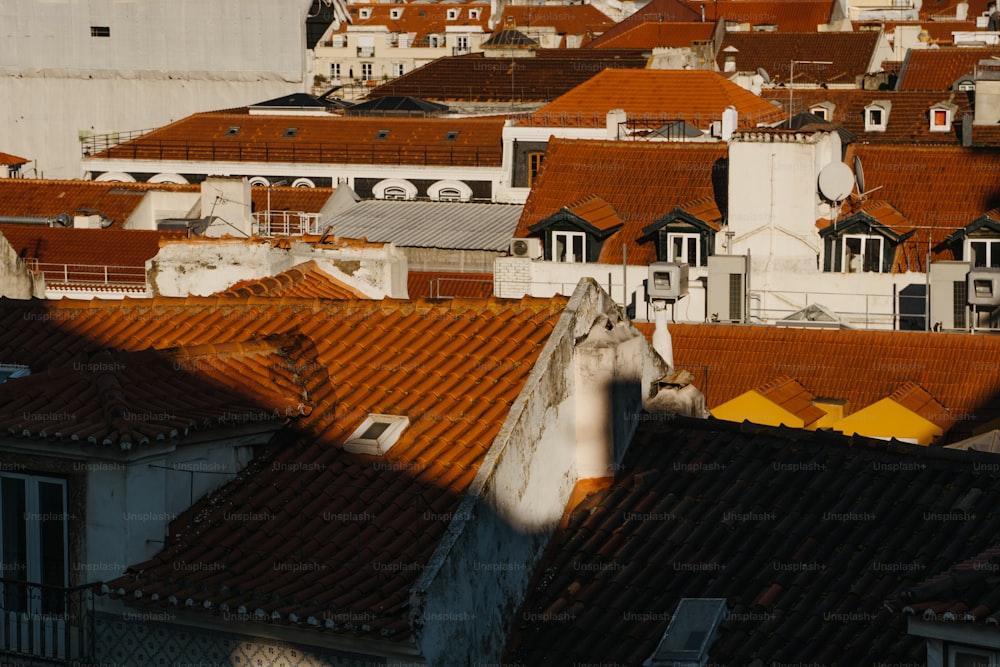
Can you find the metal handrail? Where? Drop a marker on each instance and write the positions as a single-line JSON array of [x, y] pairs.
[[89, 274], [51, 623], [286, 223]]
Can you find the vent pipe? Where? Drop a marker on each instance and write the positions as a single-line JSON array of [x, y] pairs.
[[61, 220]]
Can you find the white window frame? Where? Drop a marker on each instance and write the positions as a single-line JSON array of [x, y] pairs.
[[393, 427], [398, 69], [946, 126], [365, 13], [339, 41], [569, 241], [367, 71], [474, 13], [434, 41], [394, 188], [453, 14], [395, 13], [335, 71], [687, 238], [863, 261], [953, 649], [33, 545], [462, 42], [870, 124], [992, 248]]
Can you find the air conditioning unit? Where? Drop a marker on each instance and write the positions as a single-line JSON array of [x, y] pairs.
[[667, 280], [984, 287], [726, 291], [530, 248]]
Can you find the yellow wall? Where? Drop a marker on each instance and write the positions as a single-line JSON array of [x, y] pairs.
[[834, 413], [754, 408], [889, 419]]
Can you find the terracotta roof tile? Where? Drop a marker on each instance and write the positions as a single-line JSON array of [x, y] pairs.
[[319, 139], [49, 198], [908, 121], [849, 52], [478, 78], [9, 160], [792, 396], [653, 34], [914, 398], [420, 19], [641, 181], [597, 212], [656, 11], [566, 19], [804, 535], [439, 284], [305, 280], [696, 96], [859, 367], [351, 358], [938, 69], [788, 15], [940, 32]]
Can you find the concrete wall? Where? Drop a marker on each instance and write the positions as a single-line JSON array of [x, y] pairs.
[[163, 60], [16, 281], [200, 268], [157, 205], [463, 261], [465, 602]]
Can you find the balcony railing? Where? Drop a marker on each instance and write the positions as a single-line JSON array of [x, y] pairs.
[[89, 274], [46, 622], [304, 152], [101, 142], [366, 52], [286, 223]]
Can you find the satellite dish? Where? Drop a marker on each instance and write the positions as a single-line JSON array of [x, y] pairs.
[[859, 175], [836, 181], [764, 75]]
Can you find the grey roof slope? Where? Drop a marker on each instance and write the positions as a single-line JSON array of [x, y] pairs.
[[428, 224]]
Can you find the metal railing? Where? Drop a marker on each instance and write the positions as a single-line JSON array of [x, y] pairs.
[[366, 51], [89, 274], [286, 223], [101, 142], [47, 623], [448, 288], [302, 152]]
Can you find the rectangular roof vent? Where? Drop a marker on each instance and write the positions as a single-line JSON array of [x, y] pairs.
[[687, 639], [377, 434], [13, 371]]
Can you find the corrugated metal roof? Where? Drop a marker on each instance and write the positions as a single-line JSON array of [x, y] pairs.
[[426, 224]]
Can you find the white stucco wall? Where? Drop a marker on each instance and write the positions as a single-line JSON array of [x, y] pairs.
[[465, 602], [15, 279], [163, 60]]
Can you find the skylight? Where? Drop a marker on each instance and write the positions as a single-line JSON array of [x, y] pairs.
[[382, 134], [13, 371], [690, 634], [233, 129], [451, 136], [377, 434], [291, 132]]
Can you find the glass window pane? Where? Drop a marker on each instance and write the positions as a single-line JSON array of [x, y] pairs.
[[52, 533], [692, 251], [873, 255], [995, 254], [15, 549], [577, 248], [978, 253], [852, 254]]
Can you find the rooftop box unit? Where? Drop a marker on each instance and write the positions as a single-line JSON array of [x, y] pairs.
[[726, 292], [949, 289], [984, 287], [667, 280], [530, 248]]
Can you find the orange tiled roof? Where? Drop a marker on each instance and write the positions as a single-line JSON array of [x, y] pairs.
[[947, 8], [92, 247], [696, 96], [478, 78], [49, 198], [857, 366], [849, 52], [650, 35], [439, 284], [566, 19], [788, 15], [305, 280], [641, 180], [9, 160], [319, 139], [938, 69], [908, 121], [129, 399], [792, 396], [914, 398], [453, 367], [418, 19], [656, 11], [939, 31], [597, 212], [706, 210], [287, 198]]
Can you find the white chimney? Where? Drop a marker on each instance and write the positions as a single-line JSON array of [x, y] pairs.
[[962, 11], [615, 122], [662, 342], [730, 119]]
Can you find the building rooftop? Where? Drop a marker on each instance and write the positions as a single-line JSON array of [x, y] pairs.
[[9, 160], [641, 181], [426, 224], [418, 19], [695, 96], [244, 137], [447, 285], [478, 78], [306, 280], [803, 534], [653, 34], [785, 15], [309, 498], [850, 54], [939, 69]]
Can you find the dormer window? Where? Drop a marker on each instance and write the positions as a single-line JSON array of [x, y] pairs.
[[452, 14], [941, 116], [877, 116], [395, 13], [983, 252], [365, 13], [862, 254], [474, 14], [823, 110], [377, 434], [451, 136], [569, 247]]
